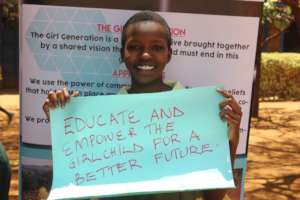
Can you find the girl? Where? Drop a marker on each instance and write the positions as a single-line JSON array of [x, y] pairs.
[[146, 50]]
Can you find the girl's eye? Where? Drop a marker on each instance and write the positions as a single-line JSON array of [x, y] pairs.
[[134, 47], [157, 48]]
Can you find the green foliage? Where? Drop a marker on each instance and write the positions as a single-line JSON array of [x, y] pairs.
[[277, 13], [280, 76], [10, 10]]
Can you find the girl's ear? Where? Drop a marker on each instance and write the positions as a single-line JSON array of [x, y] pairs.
[[122, 54], [170, 54]]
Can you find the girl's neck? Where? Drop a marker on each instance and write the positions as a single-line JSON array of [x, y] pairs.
[[155, 86]]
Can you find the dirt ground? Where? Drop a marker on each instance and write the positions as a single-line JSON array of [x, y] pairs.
[[273, 158], [274, 153]]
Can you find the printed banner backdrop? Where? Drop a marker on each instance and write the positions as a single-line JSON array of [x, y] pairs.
[[79, 48], [174, 141]]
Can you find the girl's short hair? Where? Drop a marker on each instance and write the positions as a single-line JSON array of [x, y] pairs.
[[146, 15]]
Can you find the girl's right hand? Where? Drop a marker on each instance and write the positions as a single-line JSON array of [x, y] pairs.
[[57, 98]]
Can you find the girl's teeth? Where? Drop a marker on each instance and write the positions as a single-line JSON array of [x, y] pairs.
[[145, 67]]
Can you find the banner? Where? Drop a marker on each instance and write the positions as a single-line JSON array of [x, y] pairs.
[[79, 48], [173, 141]]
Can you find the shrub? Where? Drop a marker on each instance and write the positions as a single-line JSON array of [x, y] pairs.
[[280, 76]]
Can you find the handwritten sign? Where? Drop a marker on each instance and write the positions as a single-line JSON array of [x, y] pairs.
[[140, 143]]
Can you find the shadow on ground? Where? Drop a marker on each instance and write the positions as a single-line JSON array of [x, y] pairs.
[[273, 158]]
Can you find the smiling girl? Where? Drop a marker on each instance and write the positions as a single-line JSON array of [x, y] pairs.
[[146, 50]]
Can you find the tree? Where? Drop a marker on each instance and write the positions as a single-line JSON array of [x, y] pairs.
[[9, 25], [295, 4], [279, 14], [10, 11]]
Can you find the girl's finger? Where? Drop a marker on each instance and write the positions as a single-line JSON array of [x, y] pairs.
[[61, 98], [231, 102], [46, 108], [66, 95], [232, 121], [53, 98], [235, 116], [75, 94], [224, 93]]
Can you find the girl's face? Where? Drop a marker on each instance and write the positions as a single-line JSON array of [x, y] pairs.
[[146, 52]]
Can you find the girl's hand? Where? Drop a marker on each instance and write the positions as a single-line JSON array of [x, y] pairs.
[[57, 98], [231, 112]]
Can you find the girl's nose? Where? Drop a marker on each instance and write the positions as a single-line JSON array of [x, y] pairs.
[[146, 55]]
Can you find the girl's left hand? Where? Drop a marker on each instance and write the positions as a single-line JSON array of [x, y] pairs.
[[231, 112]]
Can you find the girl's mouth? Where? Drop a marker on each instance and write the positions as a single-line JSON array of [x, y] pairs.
[[145, 67]]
